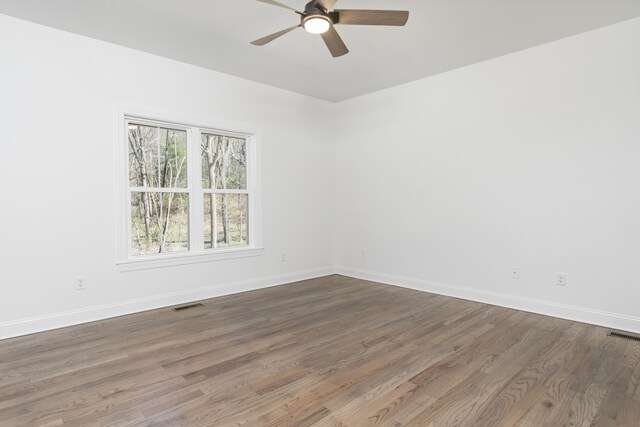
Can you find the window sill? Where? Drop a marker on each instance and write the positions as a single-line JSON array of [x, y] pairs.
[[170, 260]]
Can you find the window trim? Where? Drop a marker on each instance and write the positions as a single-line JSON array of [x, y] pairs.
[[197, 253]]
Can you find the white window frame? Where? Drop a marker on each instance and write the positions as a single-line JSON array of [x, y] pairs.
[[196, 253]]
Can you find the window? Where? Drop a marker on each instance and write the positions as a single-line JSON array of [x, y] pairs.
[[190, 194]]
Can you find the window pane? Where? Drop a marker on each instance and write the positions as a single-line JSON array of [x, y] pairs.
[[224, 162], [159, 223], [226, 220], [157, 157]]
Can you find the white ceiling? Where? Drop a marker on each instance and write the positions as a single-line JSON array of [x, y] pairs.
[[441, 35]]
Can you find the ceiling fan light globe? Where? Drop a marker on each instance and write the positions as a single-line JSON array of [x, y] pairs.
[[316, 24]]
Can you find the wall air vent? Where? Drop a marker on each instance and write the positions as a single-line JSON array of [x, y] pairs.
[[624, 335], [186, 307]]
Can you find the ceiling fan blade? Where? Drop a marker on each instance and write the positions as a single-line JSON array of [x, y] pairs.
[[371, 17], [272, 37], [334, 42], [327, 4], [275, 3]]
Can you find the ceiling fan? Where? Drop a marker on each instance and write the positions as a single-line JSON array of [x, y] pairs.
[[319, 17]]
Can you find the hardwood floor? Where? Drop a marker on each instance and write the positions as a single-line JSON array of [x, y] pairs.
[[333, 351]]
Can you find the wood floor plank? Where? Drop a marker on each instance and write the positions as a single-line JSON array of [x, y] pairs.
[[327, 352], [527, 390]]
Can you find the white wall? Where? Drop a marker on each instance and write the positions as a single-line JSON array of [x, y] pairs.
[[529, 160], [57, 176]]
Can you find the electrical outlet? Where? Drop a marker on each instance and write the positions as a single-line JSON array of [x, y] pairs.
[[364, 254], [81, 284], [283, 257], [561, 279], [515, 273]]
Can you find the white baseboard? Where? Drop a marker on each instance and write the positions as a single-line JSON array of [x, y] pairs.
[[59, 320], [69, 318], [579, 314]]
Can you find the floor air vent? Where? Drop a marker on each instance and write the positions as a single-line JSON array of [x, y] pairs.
[[186, 307], [624, 335]]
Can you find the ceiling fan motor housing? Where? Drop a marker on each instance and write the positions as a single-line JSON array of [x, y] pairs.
[[312, 7]]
